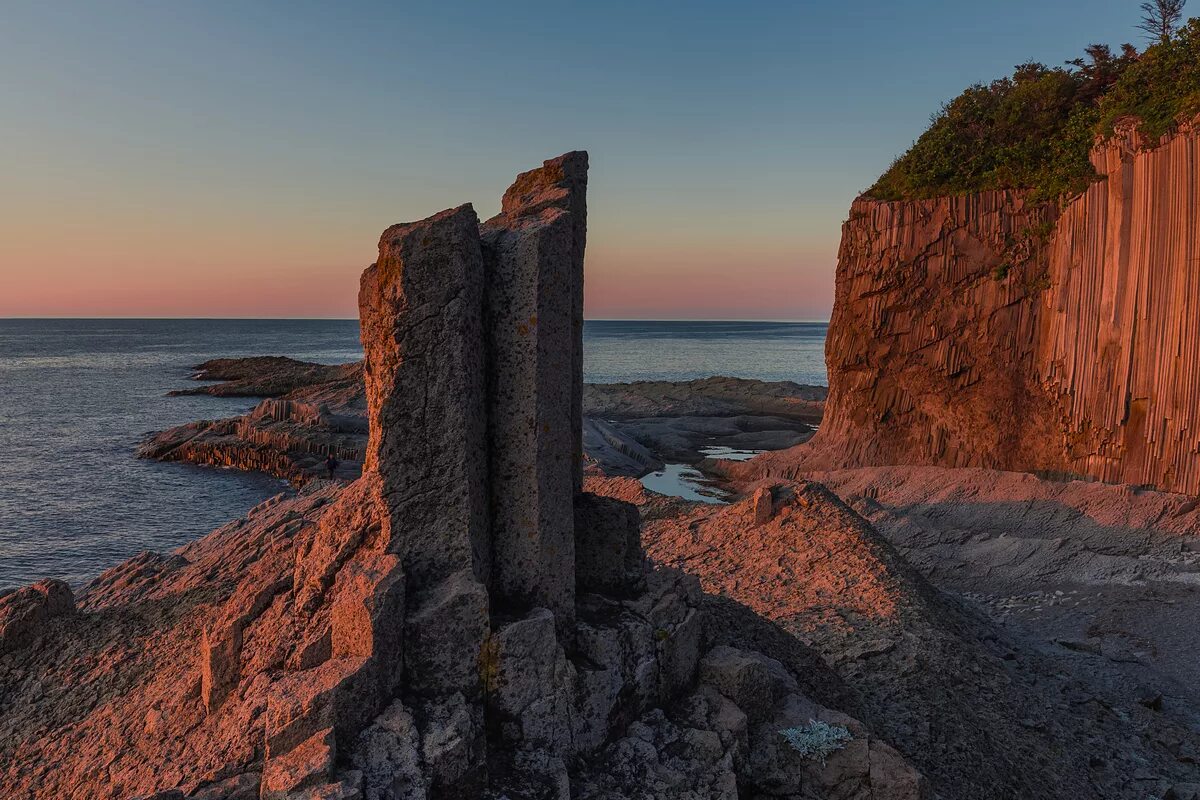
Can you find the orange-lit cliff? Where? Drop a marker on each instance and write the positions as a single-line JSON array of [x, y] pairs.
[[987, 331]]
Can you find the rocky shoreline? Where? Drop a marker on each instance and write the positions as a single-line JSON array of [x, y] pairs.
[[311, 411], [490, 605], [464, 620]]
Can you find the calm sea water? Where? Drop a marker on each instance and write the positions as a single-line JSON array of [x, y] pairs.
[[679, 351], [77, 396]]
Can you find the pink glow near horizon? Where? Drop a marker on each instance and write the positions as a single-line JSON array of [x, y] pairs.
[[623, 282]]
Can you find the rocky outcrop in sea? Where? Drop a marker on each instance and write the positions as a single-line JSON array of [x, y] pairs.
[[313, 411]]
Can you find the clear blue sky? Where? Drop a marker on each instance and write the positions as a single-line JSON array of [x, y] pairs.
[[241, 158]]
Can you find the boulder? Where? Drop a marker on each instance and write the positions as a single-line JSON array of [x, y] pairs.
[[24, 613]]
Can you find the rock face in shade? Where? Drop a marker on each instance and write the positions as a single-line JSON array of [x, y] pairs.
[[982, 331], [533, 255], [24, 611], [558, 187], [389, 639]]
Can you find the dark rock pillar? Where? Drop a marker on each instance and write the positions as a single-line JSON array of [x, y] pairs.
[[533, 257]]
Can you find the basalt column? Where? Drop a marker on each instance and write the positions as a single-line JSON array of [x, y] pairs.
[[533, 326], [421, 306]]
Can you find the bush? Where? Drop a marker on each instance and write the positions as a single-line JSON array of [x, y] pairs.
[[1035, 129], [817, 741], [1160, 87]]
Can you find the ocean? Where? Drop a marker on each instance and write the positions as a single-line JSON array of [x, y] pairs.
[[77, 396]]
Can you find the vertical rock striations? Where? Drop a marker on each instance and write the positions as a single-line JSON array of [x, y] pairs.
[[983, 331], [1119, 345], [533, 254], [421, 306], [934, 323]]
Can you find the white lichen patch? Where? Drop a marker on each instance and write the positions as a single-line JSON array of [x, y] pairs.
[[818, 740]]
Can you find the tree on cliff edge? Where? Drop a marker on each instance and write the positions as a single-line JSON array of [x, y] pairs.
[[1161, 18]]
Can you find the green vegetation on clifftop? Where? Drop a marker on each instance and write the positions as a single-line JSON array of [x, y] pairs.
[[1035, 129]]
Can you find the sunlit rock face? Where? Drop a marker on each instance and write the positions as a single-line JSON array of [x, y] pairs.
[[421, 307], [983, 330]]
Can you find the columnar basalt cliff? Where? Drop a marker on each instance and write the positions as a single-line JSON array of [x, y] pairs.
[[987, 331]]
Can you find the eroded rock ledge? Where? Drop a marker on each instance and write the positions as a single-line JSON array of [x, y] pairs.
[[629, 429]]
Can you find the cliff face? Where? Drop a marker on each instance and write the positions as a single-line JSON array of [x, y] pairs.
[[986, 331], [1119, 340]]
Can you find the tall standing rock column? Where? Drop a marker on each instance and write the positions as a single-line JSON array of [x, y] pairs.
[[421, 307], [533, 255]]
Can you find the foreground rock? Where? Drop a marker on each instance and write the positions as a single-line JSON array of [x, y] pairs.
[[25, 612], [1104, 576], [460, 622], [977, 708]]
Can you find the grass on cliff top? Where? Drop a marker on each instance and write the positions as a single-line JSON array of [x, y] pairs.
[[1035, 129]]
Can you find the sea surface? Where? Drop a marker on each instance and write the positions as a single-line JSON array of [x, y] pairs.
[[77, 397]]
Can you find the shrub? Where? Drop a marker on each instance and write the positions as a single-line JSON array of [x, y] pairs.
[[817, 741], [1160, 87], [1035, 129]]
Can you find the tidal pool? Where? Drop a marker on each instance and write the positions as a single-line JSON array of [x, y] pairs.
[[684, 480]]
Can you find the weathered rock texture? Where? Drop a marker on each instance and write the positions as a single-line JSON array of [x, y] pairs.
[[422, 331], [533, 251], [975, 707], [25, 611], [983, 331], [460, 622]]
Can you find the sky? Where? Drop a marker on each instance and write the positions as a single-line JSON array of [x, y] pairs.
[[171, 158]]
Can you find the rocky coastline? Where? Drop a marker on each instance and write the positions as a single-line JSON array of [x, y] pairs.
[[310, 411], [463, 620], [489, 604], [991, 330]]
